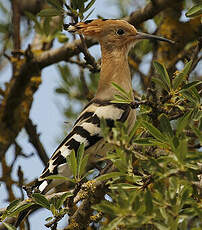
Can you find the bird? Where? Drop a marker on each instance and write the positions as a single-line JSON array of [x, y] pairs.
[[116, 38]]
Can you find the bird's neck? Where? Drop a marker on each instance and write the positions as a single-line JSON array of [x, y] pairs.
[[114, 68]]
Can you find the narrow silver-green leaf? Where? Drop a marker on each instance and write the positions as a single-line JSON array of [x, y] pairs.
[[143, 142], [121, 90], [182, 75], [194, 11], [114, 223], [19, 209], [110, 175], [165, 125], [58, 177], [62, 199], [83, 165], [55, 3], [80, 156], [161, 70], [187, 67], [148, 202], [190, 85], [41, 200], [88, 15], [154, 131], [134, 129], [90, 4], [13, 205], [9, 226], [72, 162], [124, 186], [181, 150], [49, 12], [160, 83], [183, 122]]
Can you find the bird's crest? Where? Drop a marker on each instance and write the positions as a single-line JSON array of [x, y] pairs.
[[87, 28]]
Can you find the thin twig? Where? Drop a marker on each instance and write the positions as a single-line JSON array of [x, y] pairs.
[[88, 57], [84, 65], [195, 57], [34, 139]]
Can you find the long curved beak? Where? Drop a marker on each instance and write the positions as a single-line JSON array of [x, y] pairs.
[[141, 35]]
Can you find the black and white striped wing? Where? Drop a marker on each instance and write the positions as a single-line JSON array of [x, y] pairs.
[[86, 130]]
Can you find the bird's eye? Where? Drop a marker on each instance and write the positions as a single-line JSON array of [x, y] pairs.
[[120, 31]]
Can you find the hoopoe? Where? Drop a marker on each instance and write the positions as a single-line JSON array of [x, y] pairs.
[[116, 38]]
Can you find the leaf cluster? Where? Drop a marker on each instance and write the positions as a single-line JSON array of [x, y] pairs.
[[157, 165]]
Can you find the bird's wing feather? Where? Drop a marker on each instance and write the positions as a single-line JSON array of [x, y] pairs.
[[85, 130]]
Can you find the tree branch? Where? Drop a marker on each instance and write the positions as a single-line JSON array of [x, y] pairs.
[[34, 139], [149, 11], [16, 25]]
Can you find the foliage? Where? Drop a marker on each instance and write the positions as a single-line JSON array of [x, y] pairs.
[[157, 167], [153, 188]]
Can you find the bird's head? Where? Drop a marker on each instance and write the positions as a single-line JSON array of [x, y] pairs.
[[111, 34]]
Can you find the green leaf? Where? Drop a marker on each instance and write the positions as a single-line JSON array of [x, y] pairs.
[[153, 131], [53, 209], [134, 129], [49, 12], [88, 15], [143, 141], [186, 193], [3, 28], [124, 186], [89, 173], [121, 101], [34, 19], [62, 38], [90, 4], [58, 177], [62, 199], [122, 91], [46, 26], [165, 125], [197, 132], [161, 70], [148, 202], [49, 218], [183, 122], [181, 150], [4, 9], [19, 208], [161, 226], [41, 200], [80, 156], [187, 67], [56, 4], [160, 83], [194, 11], [9, 226], [182, 75], [72, 162], [13, 205], [109, 176], [114, 223], [120, 97], [190, 85], [83, 165], [189, 96]]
